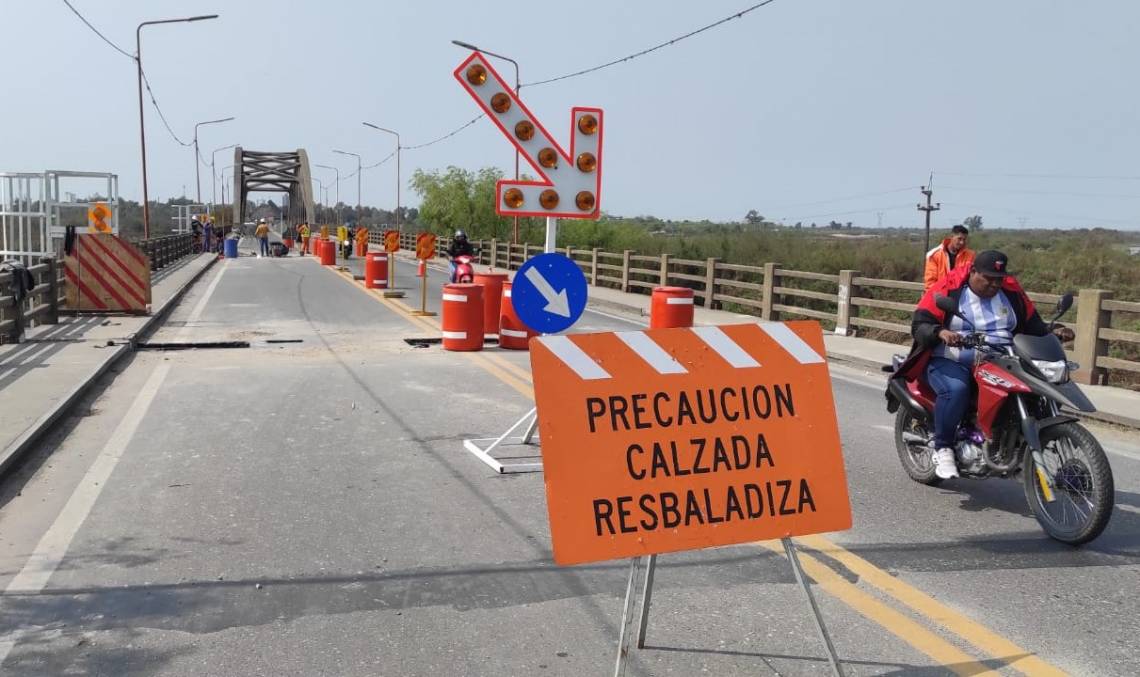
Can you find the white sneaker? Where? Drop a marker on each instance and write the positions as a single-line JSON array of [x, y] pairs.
[[944, 465]]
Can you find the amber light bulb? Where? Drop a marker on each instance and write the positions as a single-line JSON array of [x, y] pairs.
[[585, 201], [501, 103], [524, 130], [513, 197], [588, 124], [548, 158], [477, 75], [587, 162], [548, 199]]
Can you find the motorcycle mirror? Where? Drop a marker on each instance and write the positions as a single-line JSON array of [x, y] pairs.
[[1064, 304], [946, 304]]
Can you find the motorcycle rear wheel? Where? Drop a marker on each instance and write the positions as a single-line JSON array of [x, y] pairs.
[[1083, 494], [915, 457]]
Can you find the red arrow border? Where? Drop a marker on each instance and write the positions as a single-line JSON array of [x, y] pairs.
[[459, 74]]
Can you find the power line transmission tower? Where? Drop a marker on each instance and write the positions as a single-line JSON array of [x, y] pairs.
[[928, 192], [880, 216]]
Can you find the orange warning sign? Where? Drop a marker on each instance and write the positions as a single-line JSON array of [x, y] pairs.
[[391, 241], [676, 439], [97, 216], [425, 246]]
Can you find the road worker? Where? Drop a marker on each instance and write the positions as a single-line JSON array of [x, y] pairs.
[[303, 233], [262, 235], [952, 254]]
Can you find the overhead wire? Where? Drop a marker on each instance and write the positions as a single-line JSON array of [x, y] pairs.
[[135, 58], [650, 49], [841, 199]]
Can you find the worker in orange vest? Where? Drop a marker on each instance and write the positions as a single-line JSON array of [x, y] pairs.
[[303, 233], [952, 254], [361, 241]]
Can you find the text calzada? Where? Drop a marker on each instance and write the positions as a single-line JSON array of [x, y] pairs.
[[676, 439]]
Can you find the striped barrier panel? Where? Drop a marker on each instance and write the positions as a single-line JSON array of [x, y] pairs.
[[107, 274]]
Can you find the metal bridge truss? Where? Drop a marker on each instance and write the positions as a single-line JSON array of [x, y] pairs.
[[265, 171]]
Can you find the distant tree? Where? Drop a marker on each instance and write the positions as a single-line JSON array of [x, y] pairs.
[[974, 223], [799, 224], [813, 224], [753, 218], [849, 225], [834, 225]]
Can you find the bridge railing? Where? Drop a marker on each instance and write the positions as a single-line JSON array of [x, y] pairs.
[[40, 305], [849, 303], [165, 250]]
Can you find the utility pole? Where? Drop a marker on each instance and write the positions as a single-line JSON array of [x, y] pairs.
[[928, 192]]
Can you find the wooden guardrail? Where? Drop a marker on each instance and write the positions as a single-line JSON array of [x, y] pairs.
[[40, 305], [848, 302]]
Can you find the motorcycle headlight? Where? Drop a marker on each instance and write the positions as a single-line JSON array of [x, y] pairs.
[[1055, 372]]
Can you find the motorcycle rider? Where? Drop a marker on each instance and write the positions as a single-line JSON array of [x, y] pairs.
[[459, 246], [996, 305]]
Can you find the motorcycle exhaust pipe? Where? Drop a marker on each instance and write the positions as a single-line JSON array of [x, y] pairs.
[[913, 438]]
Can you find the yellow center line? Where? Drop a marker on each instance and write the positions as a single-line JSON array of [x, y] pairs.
[[894, 621], [968, 629], [944, 653]]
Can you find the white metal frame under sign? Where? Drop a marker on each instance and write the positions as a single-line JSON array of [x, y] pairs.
[[507, 441], [31, 210], [184, 215]]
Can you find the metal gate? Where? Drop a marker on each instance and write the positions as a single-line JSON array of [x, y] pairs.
[[35, 208]]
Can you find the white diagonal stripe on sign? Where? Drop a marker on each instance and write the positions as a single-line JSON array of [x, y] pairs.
[[725, 347], [573, 356], [652, 353], [792, 343]]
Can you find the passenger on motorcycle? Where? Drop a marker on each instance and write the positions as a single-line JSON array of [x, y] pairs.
[[994, 303], [459, 246]]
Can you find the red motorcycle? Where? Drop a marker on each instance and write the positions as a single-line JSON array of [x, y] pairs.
[[1014, 425], [464, 270]]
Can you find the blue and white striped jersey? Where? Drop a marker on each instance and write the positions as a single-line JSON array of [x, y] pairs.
[[993, 316]]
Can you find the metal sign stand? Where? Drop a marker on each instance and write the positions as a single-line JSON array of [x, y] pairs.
[[506, 441], [647, 595], [530, 419], [423, 311]]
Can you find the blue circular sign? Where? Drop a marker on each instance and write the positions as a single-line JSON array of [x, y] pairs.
[[549, 293]]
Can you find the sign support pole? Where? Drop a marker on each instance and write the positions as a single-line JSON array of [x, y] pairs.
[[627, 619], [794, 559], [423, 311], [626, 637], [551, 235]]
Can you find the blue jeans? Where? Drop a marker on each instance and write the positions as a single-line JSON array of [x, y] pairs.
[[451, 270], [952, 382], [263, 243]]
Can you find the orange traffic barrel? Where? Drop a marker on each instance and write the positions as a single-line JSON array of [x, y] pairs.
[[492, 298], [376, 270], [513, 334], [327, 251], [671, 307], [461, 320]]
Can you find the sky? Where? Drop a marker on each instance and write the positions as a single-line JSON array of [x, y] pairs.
[[1026, 111]]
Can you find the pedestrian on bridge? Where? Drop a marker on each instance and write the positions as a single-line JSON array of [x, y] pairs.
[[952, 254], [207, 234], [304, 233], [262, 235]]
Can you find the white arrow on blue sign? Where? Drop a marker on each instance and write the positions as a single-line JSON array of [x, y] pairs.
[[549, 293]]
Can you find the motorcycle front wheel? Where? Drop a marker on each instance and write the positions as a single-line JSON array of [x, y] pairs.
[[1076, 509], [914, 453]]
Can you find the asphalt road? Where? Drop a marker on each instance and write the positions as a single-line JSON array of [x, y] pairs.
[[307, 508]]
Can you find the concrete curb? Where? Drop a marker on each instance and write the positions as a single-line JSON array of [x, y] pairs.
[[24, 443]]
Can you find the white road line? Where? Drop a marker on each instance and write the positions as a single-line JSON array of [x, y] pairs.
[[652, 353], [53, 546], [574, 357]]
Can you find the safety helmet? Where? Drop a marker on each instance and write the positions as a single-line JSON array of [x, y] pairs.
[[461, 234], [261, 220]]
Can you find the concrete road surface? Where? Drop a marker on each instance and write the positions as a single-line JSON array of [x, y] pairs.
[[307, 508]]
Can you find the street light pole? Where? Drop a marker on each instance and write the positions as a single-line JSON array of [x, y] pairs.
[[214, 176], [468, 45], [142, 129], [337, 189], [197, 155], [389, 131], [358, 177]]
